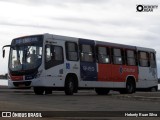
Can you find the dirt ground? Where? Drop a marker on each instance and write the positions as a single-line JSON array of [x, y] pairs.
[[26, 100]]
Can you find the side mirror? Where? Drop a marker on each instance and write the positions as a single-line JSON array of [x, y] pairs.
[[4, 49], [3, 53]]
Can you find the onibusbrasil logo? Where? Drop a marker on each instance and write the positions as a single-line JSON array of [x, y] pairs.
[[146, 8], [21, 114]]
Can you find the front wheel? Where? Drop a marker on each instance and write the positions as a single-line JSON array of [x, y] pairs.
[[48, 90], [39, 90]]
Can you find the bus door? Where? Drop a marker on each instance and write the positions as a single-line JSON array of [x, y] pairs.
[[88, 67], [54, 61]]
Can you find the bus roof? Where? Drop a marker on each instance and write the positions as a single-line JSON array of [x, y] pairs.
[[67, 38]]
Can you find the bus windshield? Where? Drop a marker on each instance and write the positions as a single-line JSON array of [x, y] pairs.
[[25, 54]]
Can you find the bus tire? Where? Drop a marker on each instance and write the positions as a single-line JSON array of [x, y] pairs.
[[39, 90], [130, 87], [69, 86], [102, 91], [154, 89], [48, 90]]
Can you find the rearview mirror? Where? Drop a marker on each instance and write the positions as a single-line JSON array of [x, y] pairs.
[[4, 49], [3, 53]]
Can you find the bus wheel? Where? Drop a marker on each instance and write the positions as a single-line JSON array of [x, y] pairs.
[[130, 87], [154, 89], [38, 90], [48, 90], [69, 86], [102, 91]]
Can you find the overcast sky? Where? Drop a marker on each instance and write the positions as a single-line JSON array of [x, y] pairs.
[[105, 20]]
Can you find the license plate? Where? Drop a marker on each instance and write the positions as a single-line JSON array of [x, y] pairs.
[[21, 85]]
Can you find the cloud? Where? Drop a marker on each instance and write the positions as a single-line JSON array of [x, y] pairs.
[[60, 3]]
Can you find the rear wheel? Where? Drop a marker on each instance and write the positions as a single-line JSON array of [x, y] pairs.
[[154, 89], [39, 90], [130, 87], [102, 91]]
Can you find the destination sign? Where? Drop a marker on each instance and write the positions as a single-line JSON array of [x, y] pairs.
[[26, 40]]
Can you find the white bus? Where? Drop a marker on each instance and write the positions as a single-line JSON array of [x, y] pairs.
[[47, 62]]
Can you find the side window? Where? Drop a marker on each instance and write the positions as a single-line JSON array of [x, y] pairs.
[[87, 53], [152, 60], [71, 51], [58, 53], [131, 57], [54, 56], [143, 59], [117, 56], [103, 55]]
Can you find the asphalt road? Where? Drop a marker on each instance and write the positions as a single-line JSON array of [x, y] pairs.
[[26, 100]]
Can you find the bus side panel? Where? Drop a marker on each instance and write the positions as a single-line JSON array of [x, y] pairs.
[[120, 72], [117, 71], [104, 72], [130, 71], [88, 70], [147, 74]]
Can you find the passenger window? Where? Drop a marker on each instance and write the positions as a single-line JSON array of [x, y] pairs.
[[58, 53], [117, 56], [71, 51], [152, 60], [54, 56], [87, 53], [103, 55], [143, 59], [131, 57]]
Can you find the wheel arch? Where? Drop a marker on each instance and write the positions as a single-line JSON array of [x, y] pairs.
[[131, 78]]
